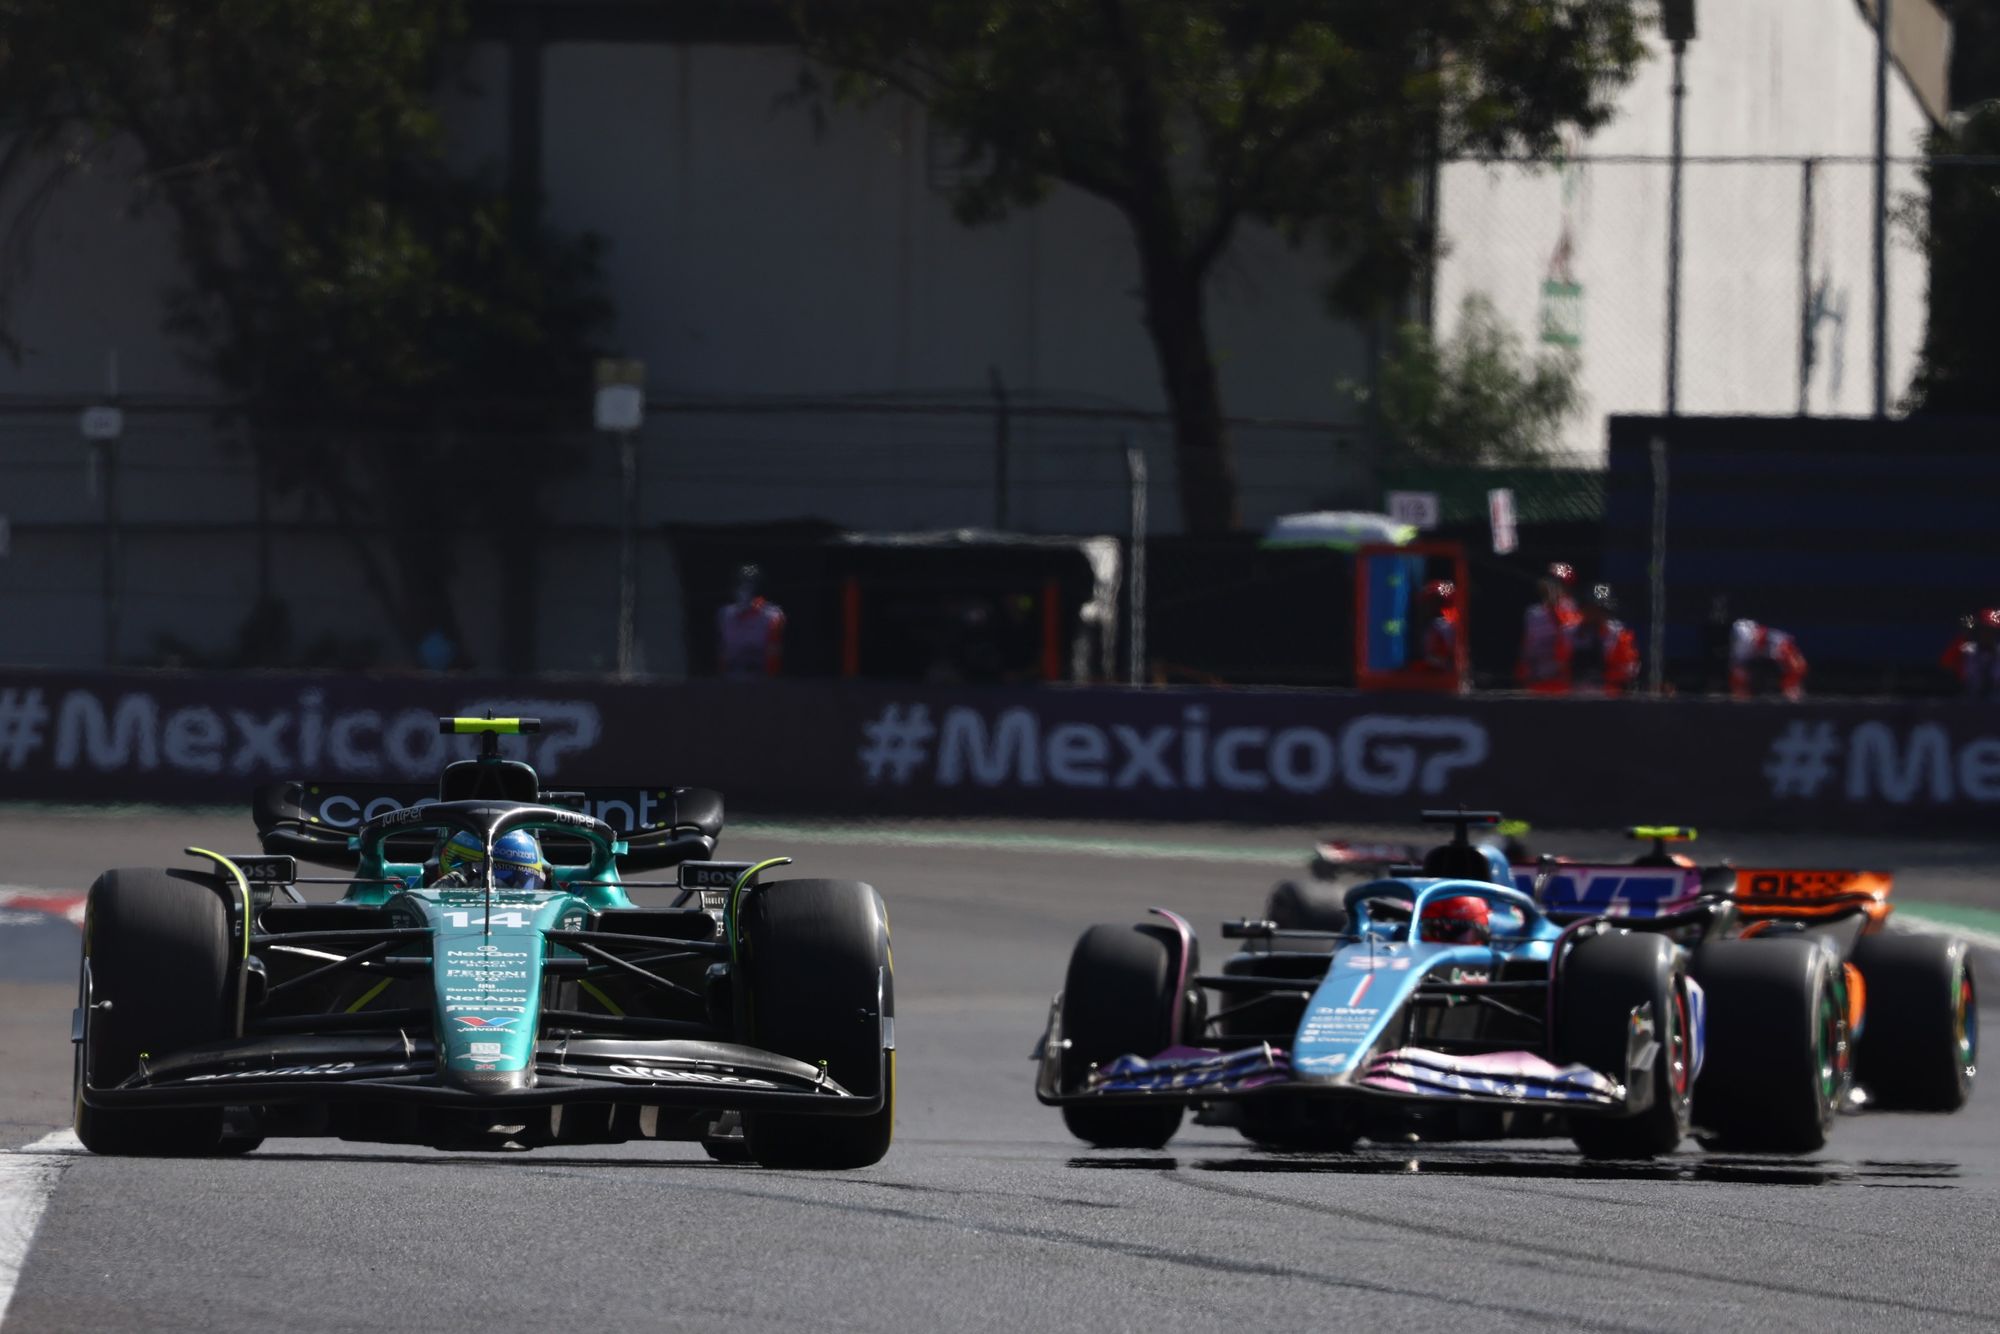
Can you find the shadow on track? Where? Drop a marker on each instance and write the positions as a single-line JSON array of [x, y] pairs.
[[1555, 1166]]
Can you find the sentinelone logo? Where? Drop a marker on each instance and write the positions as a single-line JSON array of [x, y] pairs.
[[1376, 754]]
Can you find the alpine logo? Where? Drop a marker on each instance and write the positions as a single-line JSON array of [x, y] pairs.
[[480, 1023]]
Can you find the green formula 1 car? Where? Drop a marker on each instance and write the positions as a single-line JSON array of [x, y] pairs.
[[449, 1002]]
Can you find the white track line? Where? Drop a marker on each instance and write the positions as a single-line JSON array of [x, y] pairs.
[[1937, 926], [28, 1177]]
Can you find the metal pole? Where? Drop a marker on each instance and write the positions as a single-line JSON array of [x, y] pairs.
[[110, 457], [1001, 431], [1674, 240], [1805, 281], [111, 520], [1135, 471], [1881, 208], [628, 554], [1656, 640]]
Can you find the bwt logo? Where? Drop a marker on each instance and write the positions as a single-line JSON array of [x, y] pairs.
[[1620, 893], [1376, 754]]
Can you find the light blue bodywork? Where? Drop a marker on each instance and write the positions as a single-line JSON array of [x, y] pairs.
[[1370, 980]]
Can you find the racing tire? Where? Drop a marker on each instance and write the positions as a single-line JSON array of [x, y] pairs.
[[1919, 1045], [1297, 906], [1119, 999], [821, 984], [1776, 1066], [157, 956], [1604, 978]]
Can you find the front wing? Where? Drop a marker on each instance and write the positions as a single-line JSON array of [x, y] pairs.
[[1406, 1074], [403, 1069]]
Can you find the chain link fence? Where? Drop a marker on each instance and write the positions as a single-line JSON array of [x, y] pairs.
[[160, 548]]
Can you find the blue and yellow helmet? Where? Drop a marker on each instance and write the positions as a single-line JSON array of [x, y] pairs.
[[517, 859]]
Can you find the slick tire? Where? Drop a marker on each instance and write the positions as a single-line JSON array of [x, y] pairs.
[[821, 981], [159, 967], [1776, 1066], [1299, 906], [1603, 980], [1119, 999], [1919, 1044]]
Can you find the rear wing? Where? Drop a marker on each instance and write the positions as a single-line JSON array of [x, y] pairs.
[[1613, 891], [1337, 858], [661, 826], [1811, 893], [1662, 891]]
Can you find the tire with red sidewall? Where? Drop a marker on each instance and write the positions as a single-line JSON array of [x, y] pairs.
[[1604, 979]]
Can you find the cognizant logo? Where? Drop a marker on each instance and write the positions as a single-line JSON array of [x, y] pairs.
[[1375, 754]]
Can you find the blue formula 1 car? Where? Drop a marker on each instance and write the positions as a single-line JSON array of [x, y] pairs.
[[1591, 1028], [485, 981]]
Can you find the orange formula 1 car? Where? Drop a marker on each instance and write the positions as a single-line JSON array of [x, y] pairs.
[[1848, 1010]]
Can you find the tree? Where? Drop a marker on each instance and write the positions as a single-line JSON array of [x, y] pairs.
[[1191, 117], [1954, 220], [1478, 397], [394, 332]]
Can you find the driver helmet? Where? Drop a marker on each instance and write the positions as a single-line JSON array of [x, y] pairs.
[[1462, 919], [517, 860], [1439, 593]]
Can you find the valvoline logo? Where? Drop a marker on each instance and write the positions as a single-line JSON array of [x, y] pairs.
[[1616, 891], [482, 1024]]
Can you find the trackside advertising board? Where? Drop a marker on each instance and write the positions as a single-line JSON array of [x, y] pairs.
[[1083, 752]]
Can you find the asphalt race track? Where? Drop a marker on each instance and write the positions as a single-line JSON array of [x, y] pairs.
[[985, 1215]]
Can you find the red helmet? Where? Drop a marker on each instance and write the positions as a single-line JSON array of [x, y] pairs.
[[1563, 573], [1440, 591], [1462, 919]]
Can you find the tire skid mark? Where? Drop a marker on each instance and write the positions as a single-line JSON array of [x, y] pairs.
[[1132, 1250], [1762, 1284], [1812, 1227]]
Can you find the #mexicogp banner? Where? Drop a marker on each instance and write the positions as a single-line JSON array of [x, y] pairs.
[[888, 750]]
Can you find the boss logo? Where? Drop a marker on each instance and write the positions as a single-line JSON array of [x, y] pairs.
[[712, 875]]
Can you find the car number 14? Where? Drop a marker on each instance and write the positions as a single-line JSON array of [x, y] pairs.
[[515, 921]]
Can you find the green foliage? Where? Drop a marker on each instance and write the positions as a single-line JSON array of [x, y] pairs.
[[1954, 221], [1479, 397], [340, 280], [1314, 117], [332, 260]]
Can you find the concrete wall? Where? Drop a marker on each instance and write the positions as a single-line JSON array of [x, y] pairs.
[[1789, 78]]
